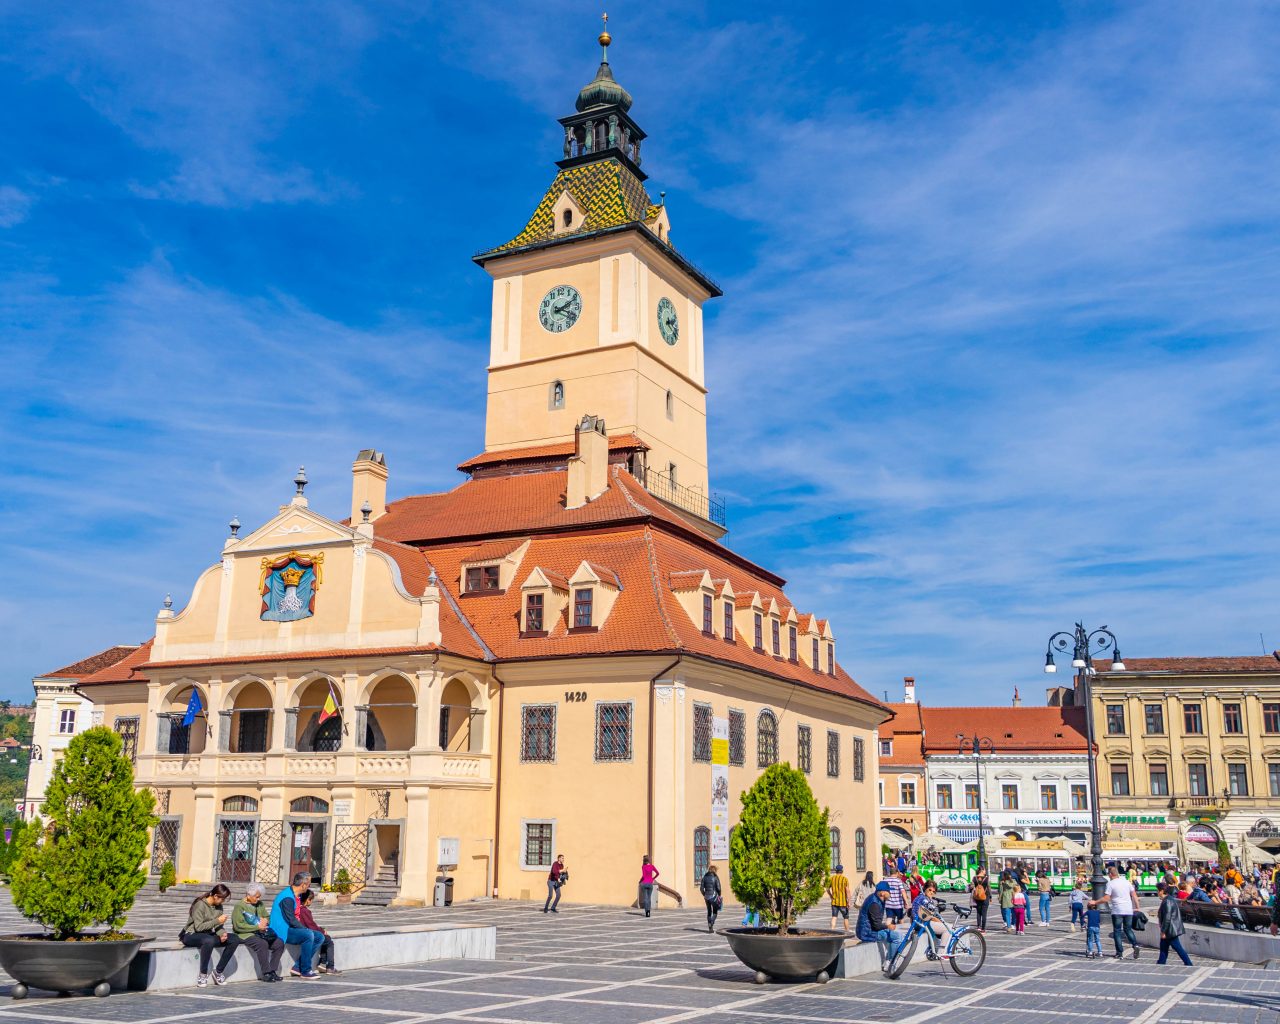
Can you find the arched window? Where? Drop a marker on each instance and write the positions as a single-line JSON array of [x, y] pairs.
[[556, 400], [835, 848], [701, 851], [309, 805], [568, 217], [239, 804], [766, 739], [860, 849], [671, 406], [328, 736]]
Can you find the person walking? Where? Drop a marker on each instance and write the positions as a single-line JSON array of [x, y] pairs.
[[1044, 886], [285, 922], [1019, 911], [896, 905], [860, 895], [1007, 888], [648, 882], [1171, 927], [981, 897], [555, 879], [1122, 900], [711, 895], [206, 928], [1079, 896], [838, 890], [1092, 933], [249, 925], [324, 955]]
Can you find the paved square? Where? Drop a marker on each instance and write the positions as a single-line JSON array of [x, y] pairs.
[[600, 965]]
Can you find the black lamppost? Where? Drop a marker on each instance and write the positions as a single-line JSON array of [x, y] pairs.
[[977, 746], [1083, 645]]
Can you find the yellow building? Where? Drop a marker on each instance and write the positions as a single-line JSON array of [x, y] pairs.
[[1189, 753], [533, 663]]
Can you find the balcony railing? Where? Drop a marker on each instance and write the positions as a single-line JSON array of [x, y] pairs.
[[706, 506], [1201, 803]]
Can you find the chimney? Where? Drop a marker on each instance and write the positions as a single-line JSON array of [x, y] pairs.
[[368, 485], [909, 689], [589, 464], [1017, 700]]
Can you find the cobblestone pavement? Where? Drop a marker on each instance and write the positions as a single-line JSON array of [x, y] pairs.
[[597, 965]]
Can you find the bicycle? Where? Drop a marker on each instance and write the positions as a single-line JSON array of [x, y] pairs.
[[966, 946]]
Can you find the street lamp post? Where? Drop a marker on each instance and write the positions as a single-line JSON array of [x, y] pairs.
[[1083, 644], [978, 745]]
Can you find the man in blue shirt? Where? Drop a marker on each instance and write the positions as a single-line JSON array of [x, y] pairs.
[[285, 923]]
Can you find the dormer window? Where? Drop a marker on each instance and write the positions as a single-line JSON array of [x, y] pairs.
[[831, 659], [817, 658], [568, 218], [582, 608], [533, 613], [707, 614], [728, 621], [759, 632], [482, 578], [793, 639], [777, 638]]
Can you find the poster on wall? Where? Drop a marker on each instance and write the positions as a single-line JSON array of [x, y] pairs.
[[720, 789]]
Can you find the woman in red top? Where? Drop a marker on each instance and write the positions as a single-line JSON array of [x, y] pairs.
[[324, 958], [648, 882]]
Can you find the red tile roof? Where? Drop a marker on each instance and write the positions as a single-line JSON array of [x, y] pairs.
[[126, 670], [1010, 729], [541, 452], [95, 662], [1268, 663], [906, 729]]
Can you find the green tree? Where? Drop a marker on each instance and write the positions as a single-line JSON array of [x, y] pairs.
[[82, 865], [168, 876], [780, 851], [9, 850]]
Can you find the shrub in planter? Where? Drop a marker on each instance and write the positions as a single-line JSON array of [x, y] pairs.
[[342, 883], [168, 876], [9, 849], [780, 851]]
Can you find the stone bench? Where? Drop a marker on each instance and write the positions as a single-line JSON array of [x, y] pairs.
[[164, 965], [1242, 947], [856, 959]]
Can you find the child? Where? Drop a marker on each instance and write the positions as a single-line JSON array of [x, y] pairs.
[[1079, 896], [1020, 912], [1092, 932], [325, 959]]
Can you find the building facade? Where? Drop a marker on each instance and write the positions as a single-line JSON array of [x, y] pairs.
[[903, 809], [535, 662], [1189, 753]]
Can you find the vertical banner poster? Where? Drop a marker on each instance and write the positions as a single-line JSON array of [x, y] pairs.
[[720, 789]]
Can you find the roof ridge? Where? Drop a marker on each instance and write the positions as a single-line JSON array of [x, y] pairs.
[[657, 588]]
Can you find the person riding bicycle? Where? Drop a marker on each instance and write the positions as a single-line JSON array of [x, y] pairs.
[[924, 908]]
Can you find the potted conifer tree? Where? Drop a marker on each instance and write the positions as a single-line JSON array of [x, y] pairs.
[[779, 858], [79, 867]]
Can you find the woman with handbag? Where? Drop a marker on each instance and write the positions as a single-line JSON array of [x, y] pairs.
[[710, 886], [981, 897]]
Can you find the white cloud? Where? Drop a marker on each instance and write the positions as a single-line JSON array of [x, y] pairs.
[[15, 205]]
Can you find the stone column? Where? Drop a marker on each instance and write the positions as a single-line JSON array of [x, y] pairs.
[[416, 878], [202, 835], [426, 722]]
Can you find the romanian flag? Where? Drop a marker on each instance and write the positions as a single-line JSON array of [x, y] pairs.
[[330, 707]]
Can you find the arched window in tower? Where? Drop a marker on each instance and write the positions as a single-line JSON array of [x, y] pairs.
[[671, 406], [556, 398], [568, 218]]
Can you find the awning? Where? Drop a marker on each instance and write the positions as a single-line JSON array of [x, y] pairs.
[[1144, 835], [962, 835]]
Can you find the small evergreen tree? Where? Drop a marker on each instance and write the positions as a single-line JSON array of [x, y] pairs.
[[168, 876], [780, 851], [8, 851], [82, 865]]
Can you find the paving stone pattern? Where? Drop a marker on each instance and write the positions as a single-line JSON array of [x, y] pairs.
[[599, 965]]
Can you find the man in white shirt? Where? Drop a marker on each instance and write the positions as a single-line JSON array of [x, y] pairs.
[[1122, 900]]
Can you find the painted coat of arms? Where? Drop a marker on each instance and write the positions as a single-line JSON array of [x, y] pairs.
[[288, 586]]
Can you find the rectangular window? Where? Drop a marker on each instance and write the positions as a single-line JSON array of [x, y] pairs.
[[1273, 777], [1119, 780], [776, 630], [179, 736], [972, 798], [1238, 779], [702, 732], [1159, 780], [1191, 720], [1115, 719], [804, 748], [1009, 796], [880, 794], [906, 794], [481, 578], [859, 760], [737, 737], [1232, 720], [444, 728], [886, 748], [1271, 717], [1198, 779], [728, 621], [538, 732], [67, 721], [833, 754], [942, 796], [793, 640], [1079, 796], [582, 600], [708, 611], [533, 613], [1048, 798], [252, 735], [759, 632], [1155, 719], [613, 732], [538, 837], [127, 730], [831, 659], [817, 658]]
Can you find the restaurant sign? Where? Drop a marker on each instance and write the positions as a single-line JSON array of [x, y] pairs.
[[1263, 829], [1058, 821]]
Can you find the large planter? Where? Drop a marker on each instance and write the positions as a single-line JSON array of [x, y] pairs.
[[791, 957], [64, 966]]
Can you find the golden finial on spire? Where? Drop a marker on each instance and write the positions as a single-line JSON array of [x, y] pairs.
[[605, 38]]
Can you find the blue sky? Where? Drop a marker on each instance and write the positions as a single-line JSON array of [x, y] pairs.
[[997, 348]]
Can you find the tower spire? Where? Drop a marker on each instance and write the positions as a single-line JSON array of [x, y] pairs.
[[604, 40]]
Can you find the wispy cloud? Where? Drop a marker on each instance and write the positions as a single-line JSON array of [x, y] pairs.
[[15, 204]]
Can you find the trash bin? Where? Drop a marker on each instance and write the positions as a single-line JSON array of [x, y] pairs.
[[444, 891]]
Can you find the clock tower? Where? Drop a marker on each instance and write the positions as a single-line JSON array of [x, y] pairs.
[[594, 310]]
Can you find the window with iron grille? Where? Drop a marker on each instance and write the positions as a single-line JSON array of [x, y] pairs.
[[707, 613], [533, 613], [817, 659], [728, 621], [759, 632], [777, 637], [737, 737], [1232, 720], [860, 850], [538, 839], [831, 659], [766, 739], [701, 851], [833, 754], [251, 736], [127, 730], [613, 732], [702, 732], [804, 748], [834, 836], [179, 737], [793, 640], [482, 577], [582, 608], [538, 732], [859, 760]]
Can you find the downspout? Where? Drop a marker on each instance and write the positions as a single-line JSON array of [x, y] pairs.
[[649, 822], [495, 857]]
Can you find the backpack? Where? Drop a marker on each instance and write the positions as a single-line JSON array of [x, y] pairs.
[[979, 892]]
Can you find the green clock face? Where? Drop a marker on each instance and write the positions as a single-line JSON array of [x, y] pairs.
[[668, 322], [560, 308]]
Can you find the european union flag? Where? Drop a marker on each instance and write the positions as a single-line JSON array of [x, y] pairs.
[[194, 707]]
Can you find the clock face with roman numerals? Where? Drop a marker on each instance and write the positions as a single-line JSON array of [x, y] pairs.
[[668, 322], [560, 308]]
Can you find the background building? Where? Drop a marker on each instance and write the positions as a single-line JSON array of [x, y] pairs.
[[902, 773]]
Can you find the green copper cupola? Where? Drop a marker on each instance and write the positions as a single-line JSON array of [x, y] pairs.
[[601, 128]]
